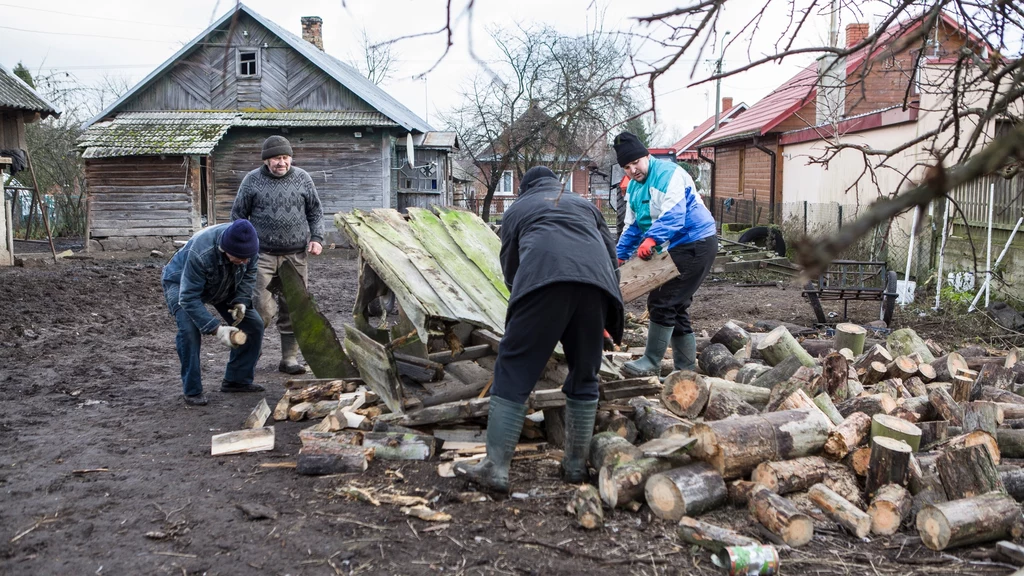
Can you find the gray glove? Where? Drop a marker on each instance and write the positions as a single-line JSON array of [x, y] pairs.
[[224, 335], [237, 313]]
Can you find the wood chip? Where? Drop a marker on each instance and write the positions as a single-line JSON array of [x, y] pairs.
[[424, 513]]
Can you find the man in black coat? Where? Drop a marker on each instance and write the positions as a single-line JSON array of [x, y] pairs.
[[558, 258]]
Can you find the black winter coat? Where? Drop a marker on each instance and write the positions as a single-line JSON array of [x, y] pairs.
[[544, 241]]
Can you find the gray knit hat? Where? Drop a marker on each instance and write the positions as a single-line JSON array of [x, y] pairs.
[[276, 146]]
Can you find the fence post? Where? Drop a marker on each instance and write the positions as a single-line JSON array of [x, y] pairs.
[[805, 217], [840, 216]]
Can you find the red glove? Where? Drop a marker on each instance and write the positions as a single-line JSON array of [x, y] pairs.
[[609, 344], [621, 262], [646, 249]]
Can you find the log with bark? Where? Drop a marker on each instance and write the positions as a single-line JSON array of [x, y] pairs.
[[980, 415], [779, 344], [992, 394], [629, 388], [723, 404], [624, 482], [847, 435], [915, 385], [617, 423], [651, 422], [685, 393], [983, 518], [945, 406], [753, 395], [967, 472], [890, 460], [896, 428], [818, 348], [806, 379], [889, 509], [835, 370], [716, 360], [750, 371], [932, 432], [794, 475], [851, 336], [925, 372], [1013, 482], [824, 403], [876, 353], [948, 366], [399, 446], [921, 406], [873, 373], [778, 373], [554, 426], [902, 367], [1011, 442], [585, 506], [905, 342], [870, 405], [799, 400], [976, 438], [689, 490], [735, 446], [996, 375], [711, 537], [840, 510], [780, 517], [608, 449], [860, 459], [962, 388], [732, 336]]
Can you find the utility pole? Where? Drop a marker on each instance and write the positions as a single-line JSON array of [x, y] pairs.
[[718, 83]]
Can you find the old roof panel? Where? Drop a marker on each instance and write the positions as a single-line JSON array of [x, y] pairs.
[[690, 141], [14, 93], [335, 119]]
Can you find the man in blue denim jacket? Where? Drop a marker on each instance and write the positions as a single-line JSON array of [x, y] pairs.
[[217, 266]]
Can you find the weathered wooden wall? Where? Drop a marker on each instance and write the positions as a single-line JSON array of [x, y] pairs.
[[12, 130], [348, 172], [143, 196], [207, 80]]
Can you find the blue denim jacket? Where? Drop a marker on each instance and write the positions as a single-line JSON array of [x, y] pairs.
[[200, 273]]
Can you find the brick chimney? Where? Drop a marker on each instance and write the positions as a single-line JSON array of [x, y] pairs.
[[311, 31], [726, 103], [855, 33]]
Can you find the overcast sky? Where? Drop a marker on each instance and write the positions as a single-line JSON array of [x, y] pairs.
[[129, 38]]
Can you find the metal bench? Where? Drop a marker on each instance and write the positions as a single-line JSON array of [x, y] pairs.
[[853, 280]]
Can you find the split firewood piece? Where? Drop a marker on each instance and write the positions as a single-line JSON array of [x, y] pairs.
[[859, 460], [890, 459], [779, 344], [585, 506], [981, 416], [915, 385], [624, 482], [242, 441], [750, 371], [967, 472], [849, 434], [901, 367], [945, 406], [608, 449], [876, 353], [905, 342], [327, 390], [689, 490], [840, 510], [723, 404], [735, 446], [259, 415], [716, 360], [711, 537], [321, 409], [851, 336], [282, 406], [654, 423], [973, 520], [617, 423], [835, 370], [799, 400], [779, 373], [932, 432], [297, 412], [780, 517], [889, 509], [896, 428], [824, 403], [685, 393], [732, 336], [870, 405], [948, 366], [399, 446], [1011, 442], [787, 476]]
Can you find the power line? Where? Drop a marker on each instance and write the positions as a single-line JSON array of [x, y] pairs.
[[89, 35], [97, 17]]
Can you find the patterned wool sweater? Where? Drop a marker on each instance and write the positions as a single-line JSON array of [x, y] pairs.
[[285, 211]]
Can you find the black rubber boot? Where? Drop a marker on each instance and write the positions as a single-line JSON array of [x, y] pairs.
[[684, 352], [289, 356], [504, 424], [650, 364], [579, 428], [229, 387], [196, 400]]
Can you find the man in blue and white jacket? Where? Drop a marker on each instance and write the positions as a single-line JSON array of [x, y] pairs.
[[664, 209]]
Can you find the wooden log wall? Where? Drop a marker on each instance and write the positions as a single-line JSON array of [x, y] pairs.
[[143, 196]]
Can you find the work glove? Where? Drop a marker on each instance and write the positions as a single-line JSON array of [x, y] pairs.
[[609, 344], [621, 262], [237, 313], [224, 335], [646, 249]]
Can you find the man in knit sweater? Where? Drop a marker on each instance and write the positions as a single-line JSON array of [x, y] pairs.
[[281, 202]]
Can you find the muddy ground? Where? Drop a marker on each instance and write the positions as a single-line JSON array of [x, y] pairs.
[[90, 382]]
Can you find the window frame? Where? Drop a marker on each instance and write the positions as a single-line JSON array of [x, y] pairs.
[[256, 61], [511, 183]]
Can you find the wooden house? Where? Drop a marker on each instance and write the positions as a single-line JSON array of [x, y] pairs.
[[19, 105], [167, 158]]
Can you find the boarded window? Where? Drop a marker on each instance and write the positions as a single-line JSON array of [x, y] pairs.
[[248, 63]]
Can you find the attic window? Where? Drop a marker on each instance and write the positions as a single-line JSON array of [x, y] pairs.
[[248, 63]]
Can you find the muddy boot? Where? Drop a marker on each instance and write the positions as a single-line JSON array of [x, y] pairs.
[[289, 356], [684, 352], [579, 427], [196, 400], [504, 424], [650, 363]]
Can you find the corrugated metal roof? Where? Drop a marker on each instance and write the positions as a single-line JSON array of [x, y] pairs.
[[14, 93], [445, 140], [343, 73]]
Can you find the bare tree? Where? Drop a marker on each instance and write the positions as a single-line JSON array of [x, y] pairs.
[[378, 59]]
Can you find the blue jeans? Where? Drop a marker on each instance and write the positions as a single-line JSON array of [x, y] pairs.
[[242, 362]]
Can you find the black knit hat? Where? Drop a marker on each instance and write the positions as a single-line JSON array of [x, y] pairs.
[[239, 240], [533, 176], [276, 146], [628, 148]]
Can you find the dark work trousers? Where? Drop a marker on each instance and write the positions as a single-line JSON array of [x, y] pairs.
[[568, 312], [669, 303]]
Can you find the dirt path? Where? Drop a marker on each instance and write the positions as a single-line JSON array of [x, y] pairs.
[[90, 381]]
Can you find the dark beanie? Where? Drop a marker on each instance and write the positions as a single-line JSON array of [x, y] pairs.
[[276, 146], [628, 148], [533, 176], [240, 240]]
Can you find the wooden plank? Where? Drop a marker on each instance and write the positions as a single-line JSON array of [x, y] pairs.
[[478, 242], [316, 337], [243, 441], [468, 353], [108, 232], [376, 366], [638, 277]]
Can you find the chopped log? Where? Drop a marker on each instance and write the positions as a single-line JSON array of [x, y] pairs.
[[962, 388], [259, 415], [804, 378], [932, 432], [945, 406], [735, 446], [948, 366], [980, 416], [321, 409], [897, 429], [608, 449], [753, 395], [654, 423], [876, 353], [915, 385], [732, 336], [994, 374], [617, 423], [585, 506], [673, 448], [624, 482], [630, 387], [921, 406], [905, 342], [323, 390], [870, 405], [750, 371], [835, 370], [799, 400], [779, 344], [724, 404], [860, 460], [778, 373], [992, 394], [554, 426], [780, 517], [685, 393], [873, 373], [842, 479], [711, 537], [281, 409], [297, 412], [1013, 482], [399, 446], [848, 435], [889, 509], [974, 520], [976, 438], [687, 491], [824, 403], [840, 510], [242, 441], [893, 387], [1011, 552], [818, 347], [1011, 411], [925, 372], [967, 472], [739, 492], [344, 460], [716, 360], [901, 367], [788, 476], [418, 369], [927, 490], [1011, 442], [890, 460], [850, 336]]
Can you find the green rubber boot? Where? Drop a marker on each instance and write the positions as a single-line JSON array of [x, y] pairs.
[[684, 352], [579, 428], [650, 364], [290, 355], [504, 424]]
